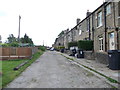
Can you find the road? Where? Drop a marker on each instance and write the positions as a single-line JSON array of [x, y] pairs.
[[53, 70]]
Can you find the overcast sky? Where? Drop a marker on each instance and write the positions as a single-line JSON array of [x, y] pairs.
[[42, 20]]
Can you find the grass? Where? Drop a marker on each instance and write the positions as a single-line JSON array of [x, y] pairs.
[[0, 75], [68, 57], [7, 68]]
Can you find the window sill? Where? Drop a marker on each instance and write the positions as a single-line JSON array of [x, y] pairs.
[[100, 50], [108, 14], [99, 26]]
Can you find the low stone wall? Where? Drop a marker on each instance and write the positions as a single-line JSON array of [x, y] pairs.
[[89, 55], [101, 57]]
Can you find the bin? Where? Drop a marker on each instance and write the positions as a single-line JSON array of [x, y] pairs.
[[80, 54], [114, 59], [74, 52], [62, 50]]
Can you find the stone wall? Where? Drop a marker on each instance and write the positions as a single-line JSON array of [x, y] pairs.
[[89, 55], [101, 57]]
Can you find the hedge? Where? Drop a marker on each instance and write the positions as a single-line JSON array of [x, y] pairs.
[[85, 44], [59, 48], [42, 48], [71, 44]]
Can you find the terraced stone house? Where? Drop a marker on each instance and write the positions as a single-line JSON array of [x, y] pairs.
[[102, 26]]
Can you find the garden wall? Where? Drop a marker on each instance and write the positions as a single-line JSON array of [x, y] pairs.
[[89, 55], [101, 57]]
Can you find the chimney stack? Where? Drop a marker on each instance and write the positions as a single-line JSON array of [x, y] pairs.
[[88, 13], [78, 20]]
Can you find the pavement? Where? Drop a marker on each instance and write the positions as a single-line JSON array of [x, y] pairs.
[[99, 67]]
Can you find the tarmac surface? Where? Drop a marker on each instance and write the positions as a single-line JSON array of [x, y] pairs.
[[52, 70]]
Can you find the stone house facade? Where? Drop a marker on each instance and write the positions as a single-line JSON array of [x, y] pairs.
[[102, 26]]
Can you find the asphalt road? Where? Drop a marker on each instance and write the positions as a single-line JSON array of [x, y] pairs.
[[52, 70]]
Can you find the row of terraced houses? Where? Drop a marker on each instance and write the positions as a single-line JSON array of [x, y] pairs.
[[102, 26]]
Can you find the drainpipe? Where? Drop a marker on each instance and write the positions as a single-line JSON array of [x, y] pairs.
[[105, 28], [89, 29], [93, 29], [116, 28], [72, 34]]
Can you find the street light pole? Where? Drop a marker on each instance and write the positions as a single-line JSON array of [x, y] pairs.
[[19, 30]]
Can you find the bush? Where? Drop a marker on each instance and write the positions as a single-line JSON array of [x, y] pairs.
[[85, 45], [14, 44], [72, 44], [42, 48], [5, 45], [59, 48]]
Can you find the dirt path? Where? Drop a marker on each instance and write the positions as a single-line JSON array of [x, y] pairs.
[[52, 70]]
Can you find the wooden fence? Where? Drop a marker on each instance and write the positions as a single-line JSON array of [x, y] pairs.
[[10, 53]]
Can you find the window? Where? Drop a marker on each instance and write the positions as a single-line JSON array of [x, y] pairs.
[[80, 32], [88, 25], [101, 43], [108, 9], [87, 38], [99, 19]]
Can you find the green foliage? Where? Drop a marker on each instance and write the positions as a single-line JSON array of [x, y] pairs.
[[71, 44], [26, 39], [11, 38], [42, 48], [85, 45], [4, 45], [14, 44], [59, 48], [12, 41]]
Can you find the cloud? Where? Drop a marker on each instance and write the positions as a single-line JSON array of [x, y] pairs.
[[2, 13], [42, 19]]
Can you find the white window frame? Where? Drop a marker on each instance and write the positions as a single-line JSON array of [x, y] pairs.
[[101, 44], [108, 9], [99, 19], [88, 28], [80, 32]]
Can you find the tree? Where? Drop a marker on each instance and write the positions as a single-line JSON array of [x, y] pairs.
[[26, 39], [11, 38]]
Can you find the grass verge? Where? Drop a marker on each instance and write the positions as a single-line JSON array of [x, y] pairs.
[[0, 74], [8, 74]]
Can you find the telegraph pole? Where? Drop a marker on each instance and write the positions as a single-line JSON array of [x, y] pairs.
[[19, 29]]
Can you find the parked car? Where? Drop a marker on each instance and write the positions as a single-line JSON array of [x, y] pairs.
[[52, 49]]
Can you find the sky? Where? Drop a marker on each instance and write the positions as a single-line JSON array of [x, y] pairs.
[[42, 20]]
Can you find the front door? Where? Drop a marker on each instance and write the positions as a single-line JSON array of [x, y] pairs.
[[111, 41]]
